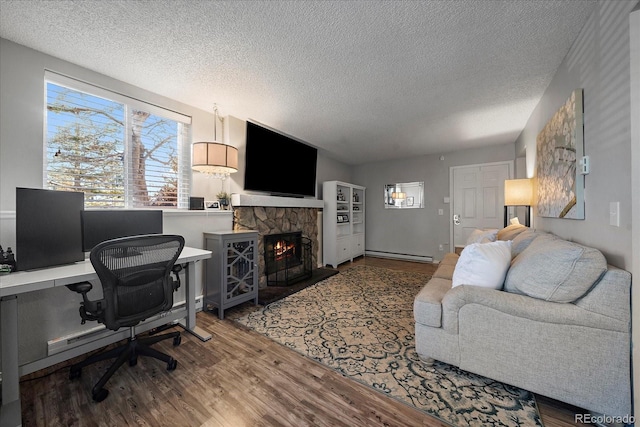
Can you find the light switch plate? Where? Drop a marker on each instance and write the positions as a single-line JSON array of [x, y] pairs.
[[614, 214]]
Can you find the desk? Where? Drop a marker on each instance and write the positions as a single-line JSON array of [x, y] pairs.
[[14, 284]]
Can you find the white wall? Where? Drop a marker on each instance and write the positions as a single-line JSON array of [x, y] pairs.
[[634, 21], [598, 62], [416, 231], [22, 120]]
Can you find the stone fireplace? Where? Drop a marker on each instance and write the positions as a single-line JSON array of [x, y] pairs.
[[276, 215], [287, 258]]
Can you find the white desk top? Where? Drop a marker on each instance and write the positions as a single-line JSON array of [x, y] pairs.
[[34, 280]]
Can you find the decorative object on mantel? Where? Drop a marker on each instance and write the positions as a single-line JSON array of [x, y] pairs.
[[518, 192], [560, 185], [224, 198], [215, 158], [213, 205]]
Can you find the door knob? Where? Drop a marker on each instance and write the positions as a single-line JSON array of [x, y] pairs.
[[456, 219]]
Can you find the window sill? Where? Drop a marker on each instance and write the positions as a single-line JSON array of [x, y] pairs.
[[181, 212]]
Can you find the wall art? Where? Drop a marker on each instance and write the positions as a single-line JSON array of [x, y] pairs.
[[559, 146]]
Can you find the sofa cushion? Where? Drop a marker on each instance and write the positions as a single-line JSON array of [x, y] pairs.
[[522, 241], [427, 305], [483, 264], [556, 270], [450, 259], [444, 271], [482, 236], [446, 267], [510, 232]]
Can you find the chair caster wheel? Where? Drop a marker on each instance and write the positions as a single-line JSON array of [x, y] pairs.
[[75, 373], [173, 363], [177, 340], [100, 395]]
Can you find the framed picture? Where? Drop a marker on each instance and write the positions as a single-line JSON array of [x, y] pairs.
[[559, 147], [409, 201], [343, 218], [212, 205]]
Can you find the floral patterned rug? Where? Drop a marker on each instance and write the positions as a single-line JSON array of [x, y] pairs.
[[360, 323]]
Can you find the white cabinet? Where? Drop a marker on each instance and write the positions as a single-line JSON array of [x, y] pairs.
[[343, 222]]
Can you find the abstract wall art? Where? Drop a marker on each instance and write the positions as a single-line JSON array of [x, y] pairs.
[[559, 146]]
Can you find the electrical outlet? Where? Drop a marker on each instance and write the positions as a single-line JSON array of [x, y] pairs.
[[441, 248], [440, 211]]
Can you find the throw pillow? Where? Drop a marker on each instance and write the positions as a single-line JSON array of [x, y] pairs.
[[482, 236], [483, 264], [555, 270], [510, 232], [522, 241]]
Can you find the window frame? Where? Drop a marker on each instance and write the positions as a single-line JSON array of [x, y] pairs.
[[184, 136]]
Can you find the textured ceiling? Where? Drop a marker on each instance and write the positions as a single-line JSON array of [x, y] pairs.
[[365, 80]]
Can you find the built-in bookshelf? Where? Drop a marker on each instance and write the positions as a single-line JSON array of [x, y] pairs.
[[343, 222]]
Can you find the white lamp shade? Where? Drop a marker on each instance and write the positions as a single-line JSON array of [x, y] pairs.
[[214, 158], [398, 195], [518, 192]]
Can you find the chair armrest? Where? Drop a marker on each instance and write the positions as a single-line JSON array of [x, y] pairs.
[[89, 310], [81, 288], [176, 269], [524, 307]]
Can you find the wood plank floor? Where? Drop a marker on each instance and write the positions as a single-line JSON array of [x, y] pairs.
[[238, 378]]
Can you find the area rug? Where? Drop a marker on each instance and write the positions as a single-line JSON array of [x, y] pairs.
[[271, 294], [360, 323]]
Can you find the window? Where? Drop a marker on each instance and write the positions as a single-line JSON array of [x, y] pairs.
[[119, 151]]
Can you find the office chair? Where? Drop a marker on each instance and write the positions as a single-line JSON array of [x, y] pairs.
[[135, 273]]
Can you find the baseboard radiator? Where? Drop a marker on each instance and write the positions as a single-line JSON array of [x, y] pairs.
[[76, 339], [395, 255]]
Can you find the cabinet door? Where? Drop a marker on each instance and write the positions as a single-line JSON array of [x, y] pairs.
[[343, 249], [239, 261], [357, 245]]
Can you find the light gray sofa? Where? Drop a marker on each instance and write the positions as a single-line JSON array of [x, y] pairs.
[[560, 327]]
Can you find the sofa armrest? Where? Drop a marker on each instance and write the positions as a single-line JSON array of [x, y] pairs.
[[525, 307]]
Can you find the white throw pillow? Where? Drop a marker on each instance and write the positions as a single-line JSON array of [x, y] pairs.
[[482, 236], [483, 264]]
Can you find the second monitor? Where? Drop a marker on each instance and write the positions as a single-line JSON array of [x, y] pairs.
[[101, 225]]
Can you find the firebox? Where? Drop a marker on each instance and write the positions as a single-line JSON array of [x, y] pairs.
[[287, 258]]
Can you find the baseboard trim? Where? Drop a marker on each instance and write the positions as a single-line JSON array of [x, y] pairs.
[[395, 255]]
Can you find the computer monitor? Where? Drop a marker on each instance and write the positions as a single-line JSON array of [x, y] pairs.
[[101, 225], [48, 228]]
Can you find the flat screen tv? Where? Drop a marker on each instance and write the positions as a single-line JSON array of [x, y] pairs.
[[279, 164], [48, 230], [101, 225]]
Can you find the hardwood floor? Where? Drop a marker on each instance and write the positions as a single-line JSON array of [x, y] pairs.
[[238, 378]]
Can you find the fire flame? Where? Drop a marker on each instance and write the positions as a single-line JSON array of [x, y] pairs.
[[282, 249]]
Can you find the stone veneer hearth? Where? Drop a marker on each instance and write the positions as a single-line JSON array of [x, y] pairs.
[[281, 219]]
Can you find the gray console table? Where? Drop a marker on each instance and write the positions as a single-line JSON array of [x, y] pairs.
[[231, 274]]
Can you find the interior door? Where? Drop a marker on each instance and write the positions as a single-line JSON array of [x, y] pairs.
[[478, 199]]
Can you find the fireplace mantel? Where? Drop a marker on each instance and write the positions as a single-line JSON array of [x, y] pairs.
[[274, 201]]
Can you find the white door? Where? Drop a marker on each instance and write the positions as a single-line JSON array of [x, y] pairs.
[[478, 198]]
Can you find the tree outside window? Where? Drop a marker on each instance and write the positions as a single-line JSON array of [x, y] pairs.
[[119, 156]]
